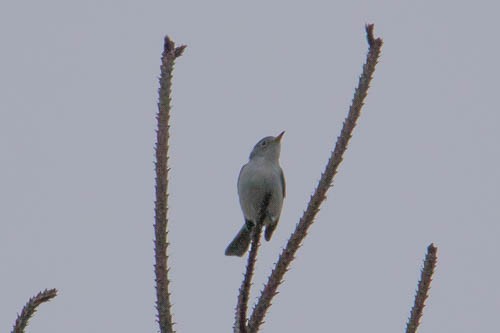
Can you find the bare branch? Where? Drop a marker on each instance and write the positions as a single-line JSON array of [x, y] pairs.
[[163, 305], [288, 253], [30, 308], [240, 324], [423, 289], [244, 294]]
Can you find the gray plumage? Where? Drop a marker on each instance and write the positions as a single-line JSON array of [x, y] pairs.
[[260, 176]]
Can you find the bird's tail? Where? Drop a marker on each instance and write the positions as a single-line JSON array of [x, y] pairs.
[[240, 243]]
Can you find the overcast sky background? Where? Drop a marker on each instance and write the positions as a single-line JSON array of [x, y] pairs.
[[78, 93]]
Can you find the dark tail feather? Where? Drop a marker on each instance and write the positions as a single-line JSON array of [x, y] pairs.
[[240, 243]]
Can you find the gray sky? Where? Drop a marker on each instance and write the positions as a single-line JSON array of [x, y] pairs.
[[78, 84]]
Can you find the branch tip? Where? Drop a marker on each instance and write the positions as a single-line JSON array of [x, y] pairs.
[[170, 49], [30, 308], [423, 289], [168, 44], [179, 50], [372, 41]]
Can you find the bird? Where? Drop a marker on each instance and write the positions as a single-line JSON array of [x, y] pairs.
[[262, 176]]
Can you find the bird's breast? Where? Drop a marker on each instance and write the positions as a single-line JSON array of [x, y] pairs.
[[255, 181]]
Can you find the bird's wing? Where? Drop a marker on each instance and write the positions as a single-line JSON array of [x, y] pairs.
[[241, 171], [269, 231], [283, 185]]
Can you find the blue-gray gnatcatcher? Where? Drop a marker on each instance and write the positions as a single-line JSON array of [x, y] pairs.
[[261, 176]]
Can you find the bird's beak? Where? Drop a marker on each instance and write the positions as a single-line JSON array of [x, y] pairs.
[[278, 138]]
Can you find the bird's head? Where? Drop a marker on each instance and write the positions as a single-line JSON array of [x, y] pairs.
[[268, 147]]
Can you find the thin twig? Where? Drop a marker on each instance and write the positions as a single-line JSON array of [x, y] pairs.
[[240, 325], [30, 308], [288, 253], [163, 305], [423, 289]]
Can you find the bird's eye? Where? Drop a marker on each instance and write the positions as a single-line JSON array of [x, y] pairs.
[[264, 143]]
